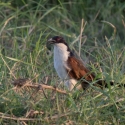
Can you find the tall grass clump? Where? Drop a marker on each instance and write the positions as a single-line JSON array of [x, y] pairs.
[[93, 29]]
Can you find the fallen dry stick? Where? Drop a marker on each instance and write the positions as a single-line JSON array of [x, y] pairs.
[[46, 87], [28, 83], [6, 116]]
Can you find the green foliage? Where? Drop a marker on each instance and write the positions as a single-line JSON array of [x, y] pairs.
[[25, 26]]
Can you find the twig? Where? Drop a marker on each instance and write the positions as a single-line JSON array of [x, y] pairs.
[[46, 87], [40, 87], [22, 83], [6, 116]]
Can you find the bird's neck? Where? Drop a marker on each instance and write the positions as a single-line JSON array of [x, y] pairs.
[[61, 52]]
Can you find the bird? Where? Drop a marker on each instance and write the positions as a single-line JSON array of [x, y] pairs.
[[69, 68]]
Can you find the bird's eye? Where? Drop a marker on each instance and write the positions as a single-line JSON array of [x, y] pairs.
[[58, 39]]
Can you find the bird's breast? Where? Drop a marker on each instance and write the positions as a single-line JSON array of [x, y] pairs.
[[60, 69]]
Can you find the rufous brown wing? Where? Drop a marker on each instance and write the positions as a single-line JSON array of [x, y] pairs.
[[79, 72]]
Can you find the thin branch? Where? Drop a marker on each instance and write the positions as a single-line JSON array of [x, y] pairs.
[[6, 116], [46, 87], [24, 83]]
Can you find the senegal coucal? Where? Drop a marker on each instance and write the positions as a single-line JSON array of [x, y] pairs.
[[69, 68]]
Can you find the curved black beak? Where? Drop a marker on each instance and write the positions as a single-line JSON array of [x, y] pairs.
[[49, 42]]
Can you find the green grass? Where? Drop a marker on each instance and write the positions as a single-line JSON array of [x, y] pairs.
[[25, 27]]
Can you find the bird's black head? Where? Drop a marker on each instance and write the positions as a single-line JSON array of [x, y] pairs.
[[56, 40]]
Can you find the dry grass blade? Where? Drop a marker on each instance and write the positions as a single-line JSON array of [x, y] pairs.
[[32, 113], [80, 37], [123, 23], [5, 62], [6, 22], [6, 116], [114, 33]]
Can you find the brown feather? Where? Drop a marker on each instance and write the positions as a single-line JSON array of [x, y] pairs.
[[79, 71]]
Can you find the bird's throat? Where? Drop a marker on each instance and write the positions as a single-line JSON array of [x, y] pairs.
[[60, 60]]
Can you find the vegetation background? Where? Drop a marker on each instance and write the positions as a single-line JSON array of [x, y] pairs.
[[95, 29]]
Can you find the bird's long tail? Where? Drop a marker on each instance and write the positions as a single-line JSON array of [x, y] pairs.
[[100, 83]]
